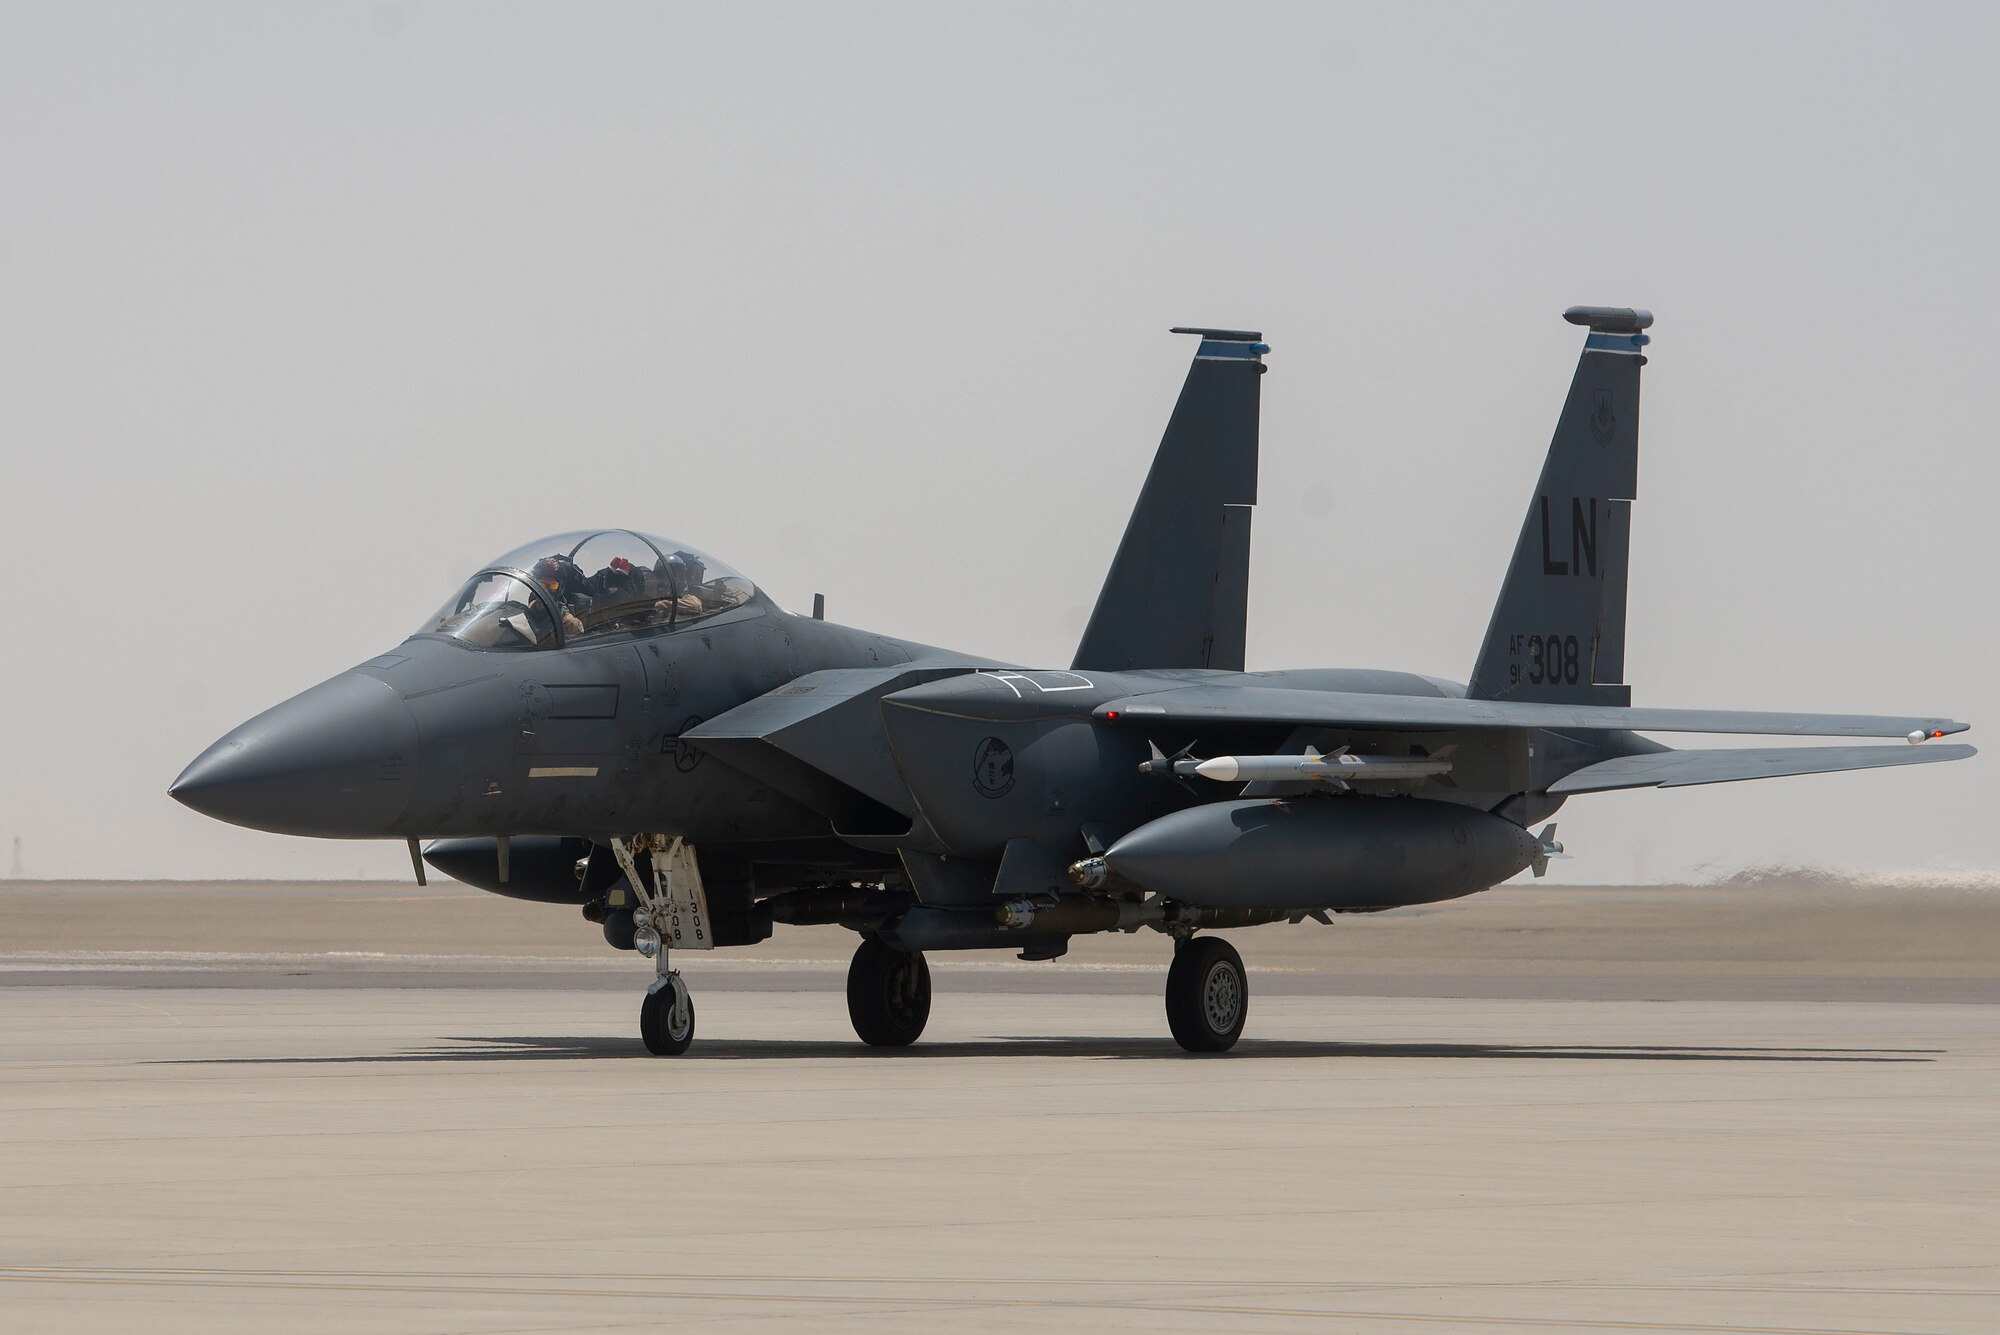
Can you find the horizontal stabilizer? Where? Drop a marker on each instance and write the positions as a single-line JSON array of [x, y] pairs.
[[1679, 769], [1256, 704]]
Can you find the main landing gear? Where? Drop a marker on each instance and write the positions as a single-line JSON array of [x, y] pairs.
[[1208, 994], [888, 994]]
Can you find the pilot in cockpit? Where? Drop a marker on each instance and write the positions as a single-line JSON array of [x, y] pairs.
[[683, 572], [678, 605], [565, 585], [622, 596], [617, 582]]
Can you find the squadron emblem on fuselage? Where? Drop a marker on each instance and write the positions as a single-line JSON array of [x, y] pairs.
[[992, 768]]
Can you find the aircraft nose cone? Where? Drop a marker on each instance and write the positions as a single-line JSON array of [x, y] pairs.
[[337, 761]]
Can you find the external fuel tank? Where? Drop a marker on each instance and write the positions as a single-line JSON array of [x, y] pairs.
[[1322, 853]]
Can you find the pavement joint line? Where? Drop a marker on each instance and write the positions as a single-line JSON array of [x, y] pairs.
[[739, 1277], [938, 1303]]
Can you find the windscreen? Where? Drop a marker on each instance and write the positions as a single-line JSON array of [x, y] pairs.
[[495, 611]]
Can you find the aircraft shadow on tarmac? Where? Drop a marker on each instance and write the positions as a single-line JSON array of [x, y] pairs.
[[481, 1048]]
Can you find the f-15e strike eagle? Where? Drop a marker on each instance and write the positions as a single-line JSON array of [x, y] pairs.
[[618, 721]]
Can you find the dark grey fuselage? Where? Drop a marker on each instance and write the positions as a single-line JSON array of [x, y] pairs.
[[436, 739]]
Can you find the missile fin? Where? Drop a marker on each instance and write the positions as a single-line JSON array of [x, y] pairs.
[[1546, 848]]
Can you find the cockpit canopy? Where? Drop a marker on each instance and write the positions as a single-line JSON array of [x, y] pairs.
[[577, 587]]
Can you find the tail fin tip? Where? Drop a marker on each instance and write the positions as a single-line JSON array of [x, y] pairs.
[[1224, 335], [1610, 319]]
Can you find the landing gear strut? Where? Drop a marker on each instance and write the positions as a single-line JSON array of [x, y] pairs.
[[888, 994], [1208, 994]]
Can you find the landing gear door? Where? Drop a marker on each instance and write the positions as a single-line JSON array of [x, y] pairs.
[[682, 919]]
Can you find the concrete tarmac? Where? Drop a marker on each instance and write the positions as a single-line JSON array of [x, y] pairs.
[[397, 1119]]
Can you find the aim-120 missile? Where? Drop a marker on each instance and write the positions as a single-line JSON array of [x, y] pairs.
[[1339, 767]]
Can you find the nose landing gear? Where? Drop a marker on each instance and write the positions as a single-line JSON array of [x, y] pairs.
[[672, 911]]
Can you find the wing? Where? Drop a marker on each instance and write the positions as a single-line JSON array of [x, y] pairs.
[[1678, 769], [818, 739], [1257, 704]]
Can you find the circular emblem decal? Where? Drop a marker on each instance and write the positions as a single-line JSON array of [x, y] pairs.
[[992, 768]]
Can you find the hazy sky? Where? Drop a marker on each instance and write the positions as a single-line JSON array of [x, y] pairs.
[[307, 310]]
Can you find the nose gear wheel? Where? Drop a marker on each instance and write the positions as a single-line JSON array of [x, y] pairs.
[[666, 1017]]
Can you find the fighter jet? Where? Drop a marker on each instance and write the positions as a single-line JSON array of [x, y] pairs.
[[621, 722]]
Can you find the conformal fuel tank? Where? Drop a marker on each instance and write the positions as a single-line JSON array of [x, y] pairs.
[[1322, 852]]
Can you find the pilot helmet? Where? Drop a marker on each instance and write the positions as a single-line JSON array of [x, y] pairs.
[[549, 572]]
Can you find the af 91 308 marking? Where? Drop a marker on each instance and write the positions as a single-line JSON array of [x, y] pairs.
[[1553, 660]]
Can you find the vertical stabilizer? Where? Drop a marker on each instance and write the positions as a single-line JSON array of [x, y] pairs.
[[1558, 629], [1178, 590]]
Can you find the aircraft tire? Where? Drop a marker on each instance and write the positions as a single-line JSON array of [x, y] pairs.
[[1208, 995], [666, 1019], [888, 994]]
